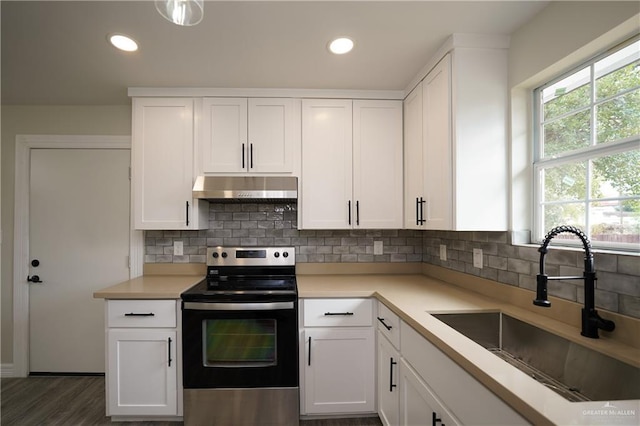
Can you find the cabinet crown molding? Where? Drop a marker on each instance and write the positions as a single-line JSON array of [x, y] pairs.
[[196, 92]]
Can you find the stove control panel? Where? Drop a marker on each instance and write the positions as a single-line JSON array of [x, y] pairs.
[[251, 256]]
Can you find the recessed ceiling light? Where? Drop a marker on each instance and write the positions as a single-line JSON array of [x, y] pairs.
[[123, 42], [341, 45]]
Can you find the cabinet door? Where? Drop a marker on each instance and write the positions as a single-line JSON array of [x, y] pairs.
[[413, 158], [438, 173], [377, 164], [162, 160], [142, 372], [223, 138], [418, 405], [339, 370], [271, 135], [388, 379], [326, 164]]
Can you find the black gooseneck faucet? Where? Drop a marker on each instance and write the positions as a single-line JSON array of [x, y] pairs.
[[591, 321]]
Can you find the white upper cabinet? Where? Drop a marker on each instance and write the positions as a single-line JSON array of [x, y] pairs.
[[456, 143], [436, 130], [413, 160], [239, 135], [377, 164], [162, 165], [327, 145], [351, 164]]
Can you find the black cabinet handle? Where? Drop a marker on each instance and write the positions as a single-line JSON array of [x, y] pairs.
[[349, 212], [135, 314], [309, 355], [251, 155], [243, 156], [338, 313], [187, 213], [417, 211], [422, 203], [358, 213], [391, 364], [435, 420], [388, 327], [169, 344]]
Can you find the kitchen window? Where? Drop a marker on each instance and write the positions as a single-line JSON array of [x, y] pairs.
[[587, 150]]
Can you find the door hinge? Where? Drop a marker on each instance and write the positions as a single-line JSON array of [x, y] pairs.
[[129, 172], [129, 262]]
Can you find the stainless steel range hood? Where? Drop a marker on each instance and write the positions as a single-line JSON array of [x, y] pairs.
[[246, 189]]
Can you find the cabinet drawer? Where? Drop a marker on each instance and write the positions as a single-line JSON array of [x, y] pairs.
[[141, 313], [389, 325], [337, 312]]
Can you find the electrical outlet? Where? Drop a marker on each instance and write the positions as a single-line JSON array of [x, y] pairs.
[[443, 252], [177, 248], [477, 258], [377, 247]]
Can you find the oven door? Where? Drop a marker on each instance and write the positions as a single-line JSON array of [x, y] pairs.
[[239, 345]]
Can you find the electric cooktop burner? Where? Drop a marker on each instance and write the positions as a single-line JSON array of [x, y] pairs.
[[257, 273]]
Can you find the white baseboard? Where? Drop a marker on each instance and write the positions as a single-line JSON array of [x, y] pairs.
[[6, 370]]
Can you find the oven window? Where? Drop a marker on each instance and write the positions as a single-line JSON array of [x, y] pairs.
[[239, 342]]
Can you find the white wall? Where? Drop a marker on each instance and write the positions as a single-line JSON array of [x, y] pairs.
[[560, 37], [50, 120]]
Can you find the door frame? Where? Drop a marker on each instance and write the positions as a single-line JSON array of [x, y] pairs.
[[24, 145]]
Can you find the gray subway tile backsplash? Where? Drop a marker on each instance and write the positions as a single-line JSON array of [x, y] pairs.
[[266, 224]]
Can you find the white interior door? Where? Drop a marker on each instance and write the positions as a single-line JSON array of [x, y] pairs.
[[79, 234]]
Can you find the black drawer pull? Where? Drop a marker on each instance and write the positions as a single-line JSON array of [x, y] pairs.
[[388, 327], [135, 314], [309, 360], [338, 313]]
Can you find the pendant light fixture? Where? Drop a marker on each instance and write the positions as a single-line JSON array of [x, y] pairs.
[[181, 12]]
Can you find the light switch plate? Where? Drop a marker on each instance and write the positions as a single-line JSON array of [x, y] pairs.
[[477, 258], [177, 248], [377, 247], [443, 252]]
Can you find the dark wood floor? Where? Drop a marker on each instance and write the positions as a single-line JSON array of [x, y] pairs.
[[75, 401]]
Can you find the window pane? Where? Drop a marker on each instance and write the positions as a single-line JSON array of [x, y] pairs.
[[616, 221], [566, 182], [616, 175], [567, 95], [618, 81], [619, 118], [567, 134], [564, 214]]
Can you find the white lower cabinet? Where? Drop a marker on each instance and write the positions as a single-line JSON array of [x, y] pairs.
[[388, 382], [337, 358], [451, 392], [418, 385], [143, 359], [418, 405], [142, 372]]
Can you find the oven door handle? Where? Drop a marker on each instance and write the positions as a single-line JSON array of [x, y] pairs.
[[216, 306]]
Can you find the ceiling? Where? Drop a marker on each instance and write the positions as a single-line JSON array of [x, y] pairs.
[[56, 53]]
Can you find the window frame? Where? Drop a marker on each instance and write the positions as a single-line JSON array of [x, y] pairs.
[[591, 152]]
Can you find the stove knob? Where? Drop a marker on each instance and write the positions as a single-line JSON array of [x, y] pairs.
[[215, 255], [224, 254], [277, 254], [285, 254]]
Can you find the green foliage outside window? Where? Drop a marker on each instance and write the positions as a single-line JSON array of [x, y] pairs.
[[611, 180]]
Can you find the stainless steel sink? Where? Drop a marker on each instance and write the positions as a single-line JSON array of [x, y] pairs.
[[572, 370]]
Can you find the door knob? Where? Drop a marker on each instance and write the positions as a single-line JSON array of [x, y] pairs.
[[34, 279]]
